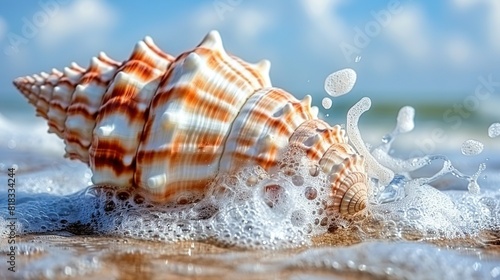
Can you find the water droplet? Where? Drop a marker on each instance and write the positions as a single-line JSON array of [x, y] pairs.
[[314, 170], [298, 217], [340, 82], [298, 180], [327, 103], [494, 130], [472, 147], [413, 213]]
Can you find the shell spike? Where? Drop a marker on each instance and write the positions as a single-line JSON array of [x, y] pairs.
[[314, 112], [103, 56], [212, 41], [94, 62], [147, 52], [264, 67], [192, 62], [288, 109], [38, 79], [307, 101], [77, 67], [148, 40], [56, 72]]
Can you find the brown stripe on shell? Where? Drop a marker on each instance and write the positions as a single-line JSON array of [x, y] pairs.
[[86, 99], [43, 104], [121, 118], [335, 154], [315, 137], [262, 129], [197, 101], [148, 52], [349, 185], [61, 98]]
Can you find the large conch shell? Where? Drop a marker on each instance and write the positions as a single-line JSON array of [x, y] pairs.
[[170, 125]]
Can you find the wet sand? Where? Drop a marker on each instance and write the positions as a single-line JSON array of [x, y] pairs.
[[62, 255]]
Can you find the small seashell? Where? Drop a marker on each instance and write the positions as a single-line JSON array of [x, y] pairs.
[[169, 125]]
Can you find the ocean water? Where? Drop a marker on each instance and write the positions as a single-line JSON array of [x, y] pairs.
[[445, 228]]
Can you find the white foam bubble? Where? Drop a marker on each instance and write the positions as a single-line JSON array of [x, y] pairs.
[[405, 118], [472, 147], [340, 82], [326, 103], [494, 130], [252, 209]]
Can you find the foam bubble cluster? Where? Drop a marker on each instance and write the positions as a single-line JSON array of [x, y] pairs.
[[425, 213], [494, 130], [252, 209], [472, 147], [340, 82], [327, 103]]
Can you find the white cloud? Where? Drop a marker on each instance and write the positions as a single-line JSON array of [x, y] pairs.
[[3, 28], [245, 24], [494, 24], [491, 20], [458, 50], [323, 15], [408, 30], [83, 20], [463, 4], [251, 23]]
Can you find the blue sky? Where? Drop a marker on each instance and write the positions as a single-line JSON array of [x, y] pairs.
[[416, 51]]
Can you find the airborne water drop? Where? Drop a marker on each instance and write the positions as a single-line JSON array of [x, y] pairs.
[[472, 147], [327, 103], [340, 82], [494, 130]]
